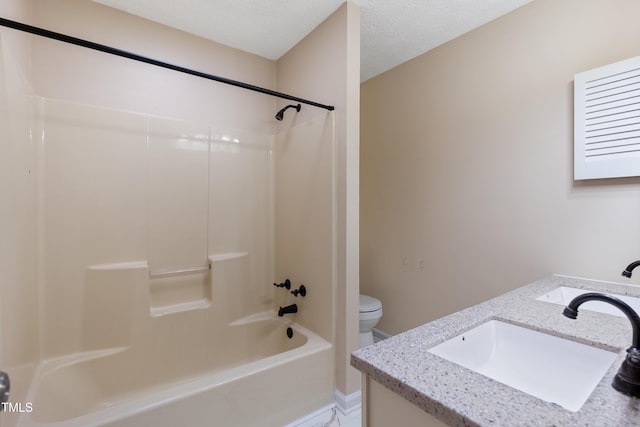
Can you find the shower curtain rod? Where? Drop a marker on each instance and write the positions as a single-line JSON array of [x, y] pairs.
[[122, 53]]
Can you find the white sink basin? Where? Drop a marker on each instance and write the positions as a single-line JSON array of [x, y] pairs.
[[563, 296], [553, 369]]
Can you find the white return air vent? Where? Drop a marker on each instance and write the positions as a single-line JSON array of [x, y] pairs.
[[607, 121]]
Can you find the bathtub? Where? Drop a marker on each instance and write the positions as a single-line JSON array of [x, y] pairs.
[[254, 375]]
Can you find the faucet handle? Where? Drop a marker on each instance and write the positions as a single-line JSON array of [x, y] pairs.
[[302, 291], [5, 387], [285, 284]]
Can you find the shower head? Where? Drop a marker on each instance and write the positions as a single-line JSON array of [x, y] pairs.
[[280, 114]]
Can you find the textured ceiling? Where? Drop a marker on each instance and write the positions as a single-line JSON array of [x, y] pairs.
[[392, 31]]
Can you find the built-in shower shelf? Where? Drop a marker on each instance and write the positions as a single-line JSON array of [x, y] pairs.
[[181, 293], [179, 308], [171, 272], [189, 288], [226, 256], [178, 290]]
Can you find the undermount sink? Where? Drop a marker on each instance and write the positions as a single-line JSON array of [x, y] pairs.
[[563, 296], [550, 368]]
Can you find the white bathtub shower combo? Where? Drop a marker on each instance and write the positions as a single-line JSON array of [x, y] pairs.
[[158, 257], [151, 211]]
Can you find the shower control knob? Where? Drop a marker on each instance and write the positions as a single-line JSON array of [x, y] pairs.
[[5, 386], [285, 284], [302, 291]]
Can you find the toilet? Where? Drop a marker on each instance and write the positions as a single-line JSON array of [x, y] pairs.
[[370, 314]]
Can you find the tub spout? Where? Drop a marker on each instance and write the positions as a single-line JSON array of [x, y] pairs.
[[293, 308]]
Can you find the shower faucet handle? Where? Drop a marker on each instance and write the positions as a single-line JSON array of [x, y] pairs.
[[285, 284], [5, 387], [302, 291]]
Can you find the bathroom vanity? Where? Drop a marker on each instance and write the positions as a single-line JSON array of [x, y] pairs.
[[404, 383]]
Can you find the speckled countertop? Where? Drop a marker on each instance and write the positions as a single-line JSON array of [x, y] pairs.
[[461, 397]]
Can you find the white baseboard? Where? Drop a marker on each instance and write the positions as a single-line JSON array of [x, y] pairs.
[[348, 404], [322, 411]]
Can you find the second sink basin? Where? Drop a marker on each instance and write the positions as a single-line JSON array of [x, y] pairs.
[[564, 294], [553, 369]]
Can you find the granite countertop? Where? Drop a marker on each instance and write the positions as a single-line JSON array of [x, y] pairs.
[[461, 397]]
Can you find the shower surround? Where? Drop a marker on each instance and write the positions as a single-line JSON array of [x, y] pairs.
[[158, 252], [122, 188]]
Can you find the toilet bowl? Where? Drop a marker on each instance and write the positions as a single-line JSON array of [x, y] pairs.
[[370, 314]]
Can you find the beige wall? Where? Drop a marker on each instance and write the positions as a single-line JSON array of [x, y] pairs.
[[466, 164], [77, 74], [18, 43], [325, 67]]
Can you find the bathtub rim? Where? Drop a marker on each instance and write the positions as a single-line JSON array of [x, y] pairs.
[[163, 396]]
